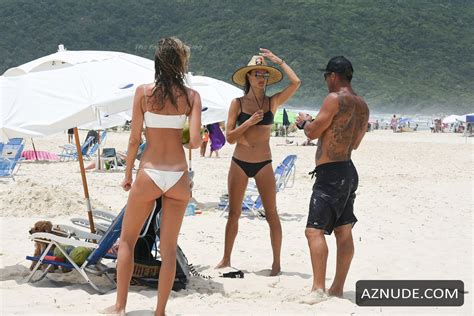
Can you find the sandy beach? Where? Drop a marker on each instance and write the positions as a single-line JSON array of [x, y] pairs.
[[414, 206]]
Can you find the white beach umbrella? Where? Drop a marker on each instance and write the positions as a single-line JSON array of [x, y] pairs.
[[41, 103], [51, 94], [216, 96], [105, 121], [63, 58]]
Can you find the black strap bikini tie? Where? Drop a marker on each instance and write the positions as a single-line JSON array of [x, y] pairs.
[[312, 173]]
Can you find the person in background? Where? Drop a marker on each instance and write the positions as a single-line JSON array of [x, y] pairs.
[[205, 140], [394, 123], [70, 135], [216, 137]]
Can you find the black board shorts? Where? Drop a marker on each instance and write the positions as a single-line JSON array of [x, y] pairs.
[[332, 201]]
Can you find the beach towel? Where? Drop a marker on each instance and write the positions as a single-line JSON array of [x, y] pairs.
[[41, 155], [216, 136]]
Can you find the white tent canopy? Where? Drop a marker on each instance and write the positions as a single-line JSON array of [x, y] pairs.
[[463, 117], [453, 118]]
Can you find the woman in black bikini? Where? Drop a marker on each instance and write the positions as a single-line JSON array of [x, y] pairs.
[[249, 126]]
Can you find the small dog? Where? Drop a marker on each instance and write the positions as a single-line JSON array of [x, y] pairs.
[[41, 227]]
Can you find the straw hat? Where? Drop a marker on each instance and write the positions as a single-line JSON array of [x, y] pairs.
[[257, 62]]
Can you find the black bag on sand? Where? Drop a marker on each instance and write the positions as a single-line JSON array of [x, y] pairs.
[[147, 263]]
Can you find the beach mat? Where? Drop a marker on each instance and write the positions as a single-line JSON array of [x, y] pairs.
[[40, 155]]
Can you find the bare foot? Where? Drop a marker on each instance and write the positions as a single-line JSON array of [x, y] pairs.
[[276, 269], [314, 297], [335, 292], [112, 310], [223, 264]]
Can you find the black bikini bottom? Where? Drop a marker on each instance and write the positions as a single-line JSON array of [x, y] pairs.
[[251, 168]]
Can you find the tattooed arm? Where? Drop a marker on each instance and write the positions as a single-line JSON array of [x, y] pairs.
[[324, 118]]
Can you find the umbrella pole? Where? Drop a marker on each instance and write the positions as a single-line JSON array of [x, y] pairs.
[[97, 167], [190, 164], [190, 157], [34, 149], [84, 180]]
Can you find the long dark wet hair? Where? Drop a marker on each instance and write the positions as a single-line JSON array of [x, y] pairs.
[[171, 63]]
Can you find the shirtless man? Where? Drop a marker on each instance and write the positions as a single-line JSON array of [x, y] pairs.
[[339, 127]]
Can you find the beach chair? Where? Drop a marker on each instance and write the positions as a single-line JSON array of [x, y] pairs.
[[107, 219], [285, 173], [10, 156], [72, 232], [140, 151], [101, 228], [69, 152], [284, 177], [92, 265], [146, 253], [109, 159], [95, 147]]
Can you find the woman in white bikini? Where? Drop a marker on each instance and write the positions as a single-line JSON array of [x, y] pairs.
[[163, 106]]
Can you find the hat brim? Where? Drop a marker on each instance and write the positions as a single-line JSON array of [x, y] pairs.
[[239, 75]]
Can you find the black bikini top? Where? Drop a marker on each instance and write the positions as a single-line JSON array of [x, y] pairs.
[[267, 117]]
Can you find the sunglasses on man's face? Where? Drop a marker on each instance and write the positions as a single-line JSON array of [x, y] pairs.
[[327, 74]]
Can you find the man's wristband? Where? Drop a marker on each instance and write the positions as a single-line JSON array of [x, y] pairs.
[[302, 124]]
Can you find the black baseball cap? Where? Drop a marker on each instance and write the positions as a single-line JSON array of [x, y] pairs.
[[340, 65]]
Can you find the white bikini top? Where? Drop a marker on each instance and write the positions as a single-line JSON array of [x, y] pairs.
[[155, 120], [164, 121]]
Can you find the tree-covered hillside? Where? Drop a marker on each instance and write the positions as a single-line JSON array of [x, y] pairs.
[[410, 56]]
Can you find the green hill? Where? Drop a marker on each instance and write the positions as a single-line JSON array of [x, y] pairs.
[[408, 56]]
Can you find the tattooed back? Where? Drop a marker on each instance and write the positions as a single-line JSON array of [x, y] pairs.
[[346, 131]]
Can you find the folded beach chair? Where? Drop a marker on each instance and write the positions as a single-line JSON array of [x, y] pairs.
[[92, 265], [10, 156], [72, 232], [100, 227], [284, 177], [285, 173], [69, 152], [93, 149], [107, 219]]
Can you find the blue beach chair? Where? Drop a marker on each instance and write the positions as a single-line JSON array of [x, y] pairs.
[[69, 152], [92, 265], [284, 177], [10, 156]]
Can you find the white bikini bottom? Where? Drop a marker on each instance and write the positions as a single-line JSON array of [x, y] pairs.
[[164, 180]]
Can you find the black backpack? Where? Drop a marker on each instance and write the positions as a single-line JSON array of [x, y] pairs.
[[147, 259]]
